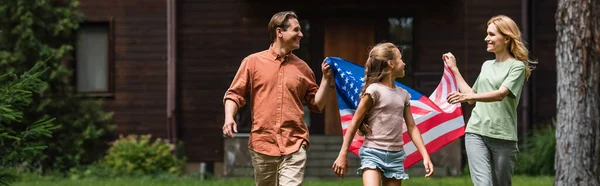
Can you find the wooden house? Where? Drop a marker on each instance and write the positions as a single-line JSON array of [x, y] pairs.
[[163, 66]]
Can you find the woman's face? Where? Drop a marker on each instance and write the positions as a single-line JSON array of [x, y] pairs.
[[496, 42]]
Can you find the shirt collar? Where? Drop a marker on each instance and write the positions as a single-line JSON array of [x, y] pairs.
[[276, 56]]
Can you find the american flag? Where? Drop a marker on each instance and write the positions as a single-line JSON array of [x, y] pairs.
[[438, 121]]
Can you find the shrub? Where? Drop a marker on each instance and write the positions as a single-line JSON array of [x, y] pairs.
[[139, 155], [539, 157]]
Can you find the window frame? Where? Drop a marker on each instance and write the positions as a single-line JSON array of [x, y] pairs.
[[414, 72], [109, 93]]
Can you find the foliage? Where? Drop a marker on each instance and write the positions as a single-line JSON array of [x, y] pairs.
[[539, 157], [139, 155], [43, 29], [20, 141]]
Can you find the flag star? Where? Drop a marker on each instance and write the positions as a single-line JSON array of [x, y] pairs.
[[340, 70], [342, 74], [356, 90], [349, 73], [362, 79], [335, 64], [356, 103], [352, 98], [351, 85], [347, 80]]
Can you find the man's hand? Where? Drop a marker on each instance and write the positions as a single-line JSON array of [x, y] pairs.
[[326, 69], [229, 127]]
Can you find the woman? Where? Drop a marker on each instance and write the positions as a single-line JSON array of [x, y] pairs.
[[491, 134]]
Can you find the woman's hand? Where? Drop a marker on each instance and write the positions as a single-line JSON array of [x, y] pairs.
[[457, 97], [450, 60], [340, 166]]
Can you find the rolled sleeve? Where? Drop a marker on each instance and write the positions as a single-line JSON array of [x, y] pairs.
[[311, 92], [239, 85]]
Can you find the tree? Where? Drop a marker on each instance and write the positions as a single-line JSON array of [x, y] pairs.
[[32, 31], [578, 96], [20, 142]]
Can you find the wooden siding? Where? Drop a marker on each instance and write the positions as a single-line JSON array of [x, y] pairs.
[[543, 77], [140, 89], [213, 37]]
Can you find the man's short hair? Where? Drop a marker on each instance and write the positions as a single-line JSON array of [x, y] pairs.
[[280, 20]]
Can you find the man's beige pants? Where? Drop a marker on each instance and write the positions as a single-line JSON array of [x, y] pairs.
[[279, 170]]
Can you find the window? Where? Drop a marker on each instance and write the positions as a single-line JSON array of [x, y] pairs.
[[401, 34], [94, 58]]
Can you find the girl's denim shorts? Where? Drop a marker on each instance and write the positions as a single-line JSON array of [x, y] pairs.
[[390, 163]]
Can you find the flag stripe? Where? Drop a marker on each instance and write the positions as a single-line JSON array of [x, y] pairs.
[[432, 134], [435, 145], [419, 110], [436, 121]]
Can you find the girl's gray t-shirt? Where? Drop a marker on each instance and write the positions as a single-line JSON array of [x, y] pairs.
[[386, 117]]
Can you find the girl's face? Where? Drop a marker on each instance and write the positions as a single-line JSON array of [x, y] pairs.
[[397, 65], [496, 42]]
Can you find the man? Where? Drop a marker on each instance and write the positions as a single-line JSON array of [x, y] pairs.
[[278, 83]]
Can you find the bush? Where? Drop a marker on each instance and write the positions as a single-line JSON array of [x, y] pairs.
[[539, 157], [137, 155]]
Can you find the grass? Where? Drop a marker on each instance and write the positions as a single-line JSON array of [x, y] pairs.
[[193, 181]]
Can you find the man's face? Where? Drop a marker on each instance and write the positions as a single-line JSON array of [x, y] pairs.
[[291, 36]]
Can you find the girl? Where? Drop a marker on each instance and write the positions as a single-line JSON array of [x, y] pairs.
[[491, 135], [382, 109]]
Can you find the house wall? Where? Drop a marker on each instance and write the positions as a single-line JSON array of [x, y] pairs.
[[139, 71]]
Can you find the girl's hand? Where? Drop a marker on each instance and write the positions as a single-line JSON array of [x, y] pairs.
[[340, 166], [428, 166], [457, 97], [450, 60]]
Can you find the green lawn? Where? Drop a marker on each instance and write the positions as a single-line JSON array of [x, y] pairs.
[[416, 181]]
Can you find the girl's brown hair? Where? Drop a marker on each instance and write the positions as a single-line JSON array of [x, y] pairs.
[[376, 69]]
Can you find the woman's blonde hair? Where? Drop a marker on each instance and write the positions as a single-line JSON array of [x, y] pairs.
[[508, 28], [376, 69]]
